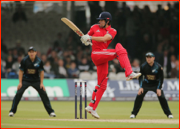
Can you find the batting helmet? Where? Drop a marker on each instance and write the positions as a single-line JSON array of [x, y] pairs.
[[105, 16]]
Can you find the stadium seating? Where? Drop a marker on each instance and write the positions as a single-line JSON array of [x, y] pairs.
[[39, 31], [85, 75], [120, 76]]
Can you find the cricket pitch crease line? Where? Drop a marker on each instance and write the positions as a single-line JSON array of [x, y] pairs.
[[157, 121]]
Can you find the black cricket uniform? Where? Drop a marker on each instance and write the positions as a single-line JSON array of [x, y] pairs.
[[153, 80], [31, 78]]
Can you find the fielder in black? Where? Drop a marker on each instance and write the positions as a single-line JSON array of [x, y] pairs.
[[152, 81], [31, 73]]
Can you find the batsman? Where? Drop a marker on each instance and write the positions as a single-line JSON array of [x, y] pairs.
[[101, 35]]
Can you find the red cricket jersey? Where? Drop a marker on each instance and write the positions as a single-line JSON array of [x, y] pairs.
[[96, 31]]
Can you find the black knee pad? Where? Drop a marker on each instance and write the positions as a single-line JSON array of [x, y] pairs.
[[96, 88]]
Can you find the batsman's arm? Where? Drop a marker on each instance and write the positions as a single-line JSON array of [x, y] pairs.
[[105, 38]]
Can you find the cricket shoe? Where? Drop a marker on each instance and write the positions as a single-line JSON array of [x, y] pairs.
[[132, 116], [11, 114], [133, 75], [94, 114], [52, 114], [170, 116], [89, 109]]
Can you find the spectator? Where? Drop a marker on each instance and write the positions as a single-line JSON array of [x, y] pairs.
[[4, 51], [67, 62], [10, 52], [20, 50], [175, 70], [15, 55], [52, 57], [19, 15], [95, 10], [43, 58], [136, 65], [84, 66], [16, 64], [117, 66], [90, 62], [70, 43], [61, 71], [73, 71], [38, 54], [159, 55], [166, 60], [55, 48], [79, 57], [171, 51], [3, 71], [171, 65], [48, 72], [159, 11], [146, 44], [3, 47], [9, 71], [58, 43], [9, 63]]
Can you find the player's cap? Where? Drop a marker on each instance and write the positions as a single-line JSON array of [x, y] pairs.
[[105, 15], [31, 48], [150, 54]]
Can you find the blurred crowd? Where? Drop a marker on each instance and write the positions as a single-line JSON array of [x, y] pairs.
[[139, 31]]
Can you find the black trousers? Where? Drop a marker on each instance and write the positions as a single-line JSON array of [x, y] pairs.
[[139, 99], [42, 93]]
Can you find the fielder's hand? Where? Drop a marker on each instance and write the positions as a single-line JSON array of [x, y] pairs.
[[140, 91], [158, 92], [19, 86], [42, 87], [86, 39]]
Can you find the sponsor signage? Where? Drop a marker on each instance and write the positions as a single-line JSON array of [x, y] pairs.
[[54, 88], [64, 89]]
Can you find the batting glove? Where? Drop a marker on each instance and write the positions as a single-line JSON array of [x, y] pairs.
[[86, 39]]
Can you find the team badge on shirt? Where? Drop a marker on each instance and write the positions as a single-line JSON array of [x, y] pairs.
[[36, 64]]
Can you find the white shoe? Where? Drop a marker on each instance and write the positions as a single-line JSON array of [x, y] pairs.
[[132, 116], [94, 114], [11, 114], [170, 116], [133, 75], [52, 114], [89, 109]]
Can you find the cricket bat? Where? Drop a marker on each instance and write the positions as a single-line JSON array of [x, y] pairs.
[[72, 26]]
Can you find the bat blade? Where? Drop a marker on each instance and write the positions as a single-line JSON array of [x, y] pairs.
[[72, 26]]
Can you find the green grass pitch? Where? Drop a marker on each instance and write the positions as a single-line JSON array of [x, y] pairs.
[[32, 114]]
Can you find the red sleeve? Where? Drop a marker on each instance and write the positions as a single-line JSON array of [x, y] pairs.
[[90, 32], [113, 33]]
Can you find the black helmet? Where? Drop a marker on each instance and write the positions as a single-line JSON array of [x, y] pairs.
[[105, 16]]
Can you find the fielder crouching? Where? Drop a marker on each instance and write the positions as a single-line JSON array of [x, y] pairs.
[[153, 80], [31, 73]]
